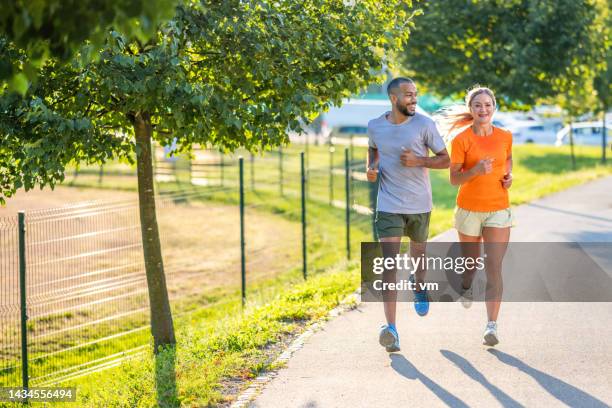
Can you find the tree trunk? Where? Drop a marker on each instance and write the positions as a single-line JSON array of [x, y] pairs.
[[161, 315]]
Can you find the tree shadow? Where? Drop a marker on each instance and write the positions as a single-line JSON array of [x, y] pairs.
[[404, 367], [165, 378], [465, 366], [562, 391]]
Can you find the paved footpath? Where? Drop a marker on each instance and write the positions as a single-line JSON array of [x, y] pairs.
[[550, 354]]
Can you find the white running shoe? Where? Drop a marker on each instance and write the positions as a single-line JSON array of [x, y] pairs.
[[490, 334], [466, 297]]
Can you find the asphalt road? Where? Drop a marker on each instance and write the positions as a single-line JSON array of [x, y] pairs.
[[550, 353]]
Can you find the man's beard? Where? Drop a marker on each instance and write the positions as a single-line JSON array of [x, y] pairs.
[[404, 110]]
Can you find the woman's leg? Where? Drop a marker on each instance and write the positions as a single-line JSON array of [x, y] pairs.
[[495, 243], [470, 248]]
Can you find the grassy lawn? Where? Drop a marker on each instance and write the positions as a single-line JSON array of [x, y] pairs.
[[219, 345], [215, 345]]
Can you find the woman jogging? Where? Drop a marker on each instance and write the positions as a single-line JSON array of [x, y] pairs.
[[481, 165]]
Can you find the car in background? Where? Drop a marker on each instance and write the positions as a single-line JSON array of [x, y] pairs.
[[528, 128], [537, 133], [584, 133]]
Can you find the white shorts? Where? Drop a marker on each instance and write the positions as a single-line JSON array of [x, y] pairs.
[[472, 222]]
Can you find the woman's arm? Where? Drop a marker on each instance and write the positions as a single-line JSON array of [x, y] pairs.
[[458, 177], [507, 180]]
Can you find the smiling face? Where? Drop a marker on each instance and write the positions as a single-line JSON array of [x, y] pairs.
[[404, 98], [482, 108]]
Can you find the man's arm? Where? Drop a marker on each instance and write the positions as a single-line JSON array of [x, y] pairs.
[[372, 157], [440, 161], [372, 164]]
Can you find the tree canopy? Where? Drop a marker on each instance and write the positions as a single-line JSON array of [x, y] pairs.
[[524, 50], [58, 28], [231, 74]]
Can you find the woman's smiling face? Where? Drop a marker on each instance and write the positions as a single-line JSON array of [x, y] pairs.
[[482, 108]]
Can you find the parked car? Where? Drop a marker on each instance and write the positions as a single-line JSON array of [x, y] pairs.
[[539, 134], [584, 133], [527, 128]]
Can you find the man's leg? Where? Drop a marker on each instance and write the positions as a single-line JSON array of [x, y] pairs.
[[391, 247], [417, 228], [417, 250], [389, 228]]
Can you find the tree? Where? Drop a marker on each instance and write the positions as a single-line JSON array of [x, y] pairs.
[[233, 74], [524, 50], [603, 80], [57, 28]]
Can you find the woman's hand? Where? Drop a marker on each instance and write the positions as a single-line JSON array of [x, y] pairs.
[[507, 181], [485, 166]]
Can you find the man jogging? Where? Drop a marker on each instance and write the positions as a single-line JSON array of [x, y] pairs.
[[399, 144]]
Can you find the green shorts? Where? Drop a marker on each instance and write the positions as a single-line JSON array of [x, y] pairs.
[[415, 226], [472, 222]]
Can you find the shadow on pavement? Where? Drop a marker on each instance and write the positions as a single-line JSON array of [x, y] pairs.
[[405, 368], [564, 392], [574, 213], [504, 399]]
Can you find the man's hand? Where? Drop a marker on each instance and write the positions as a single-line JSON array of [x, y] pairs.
[[485, 166], [372, 175], [507, 181], [409, 159]]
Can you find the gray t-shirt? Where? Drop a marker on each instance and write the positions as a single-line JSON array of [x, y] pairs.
[[403, 190]]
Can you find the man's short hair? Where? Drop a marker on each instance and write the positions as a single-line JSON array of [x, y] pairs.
[[396, 83]]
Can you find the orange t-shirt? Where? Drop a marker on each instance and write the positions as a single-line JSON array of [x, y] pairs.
[[485, 192]]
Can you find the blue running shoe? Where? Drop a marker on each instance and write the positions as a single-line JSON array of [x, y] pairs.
[[421, 300], [389, 339]]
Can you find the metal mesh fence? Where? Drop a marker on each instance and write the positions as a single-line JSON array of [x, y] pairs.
[[87, 299], [10, 337]]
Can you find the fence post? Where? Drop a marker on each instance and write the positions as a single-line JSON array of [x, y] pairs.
[[280, 169], [604, 142], [242, 254], [23, 303], [373, 199], [252, 172], [190, 158], [75, 175], [303, 182], [571, 139], [100, 174], [307, 162], [222, 168], [347, 189], [331, 175]]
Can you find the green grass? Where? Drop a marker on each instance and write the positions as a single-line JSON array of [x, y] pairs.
[[218, 342]]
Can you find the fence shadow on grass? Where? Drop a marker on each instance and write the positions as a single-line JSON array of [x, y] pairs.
[[165, 378]]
